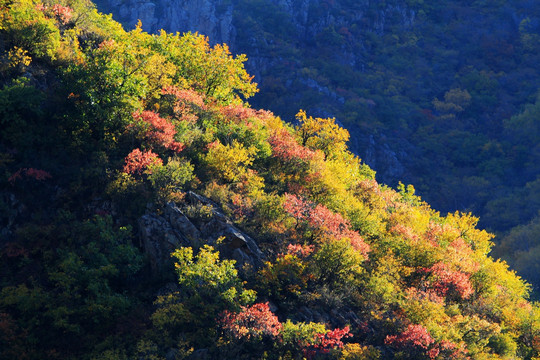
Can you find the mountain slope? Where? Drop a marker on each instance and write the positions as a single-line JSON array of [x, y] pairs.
[[432, 94], [119, 148]]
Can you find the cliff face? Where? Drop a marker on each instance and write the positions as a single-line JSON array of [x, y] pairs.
[[217, 19], [212, 18]]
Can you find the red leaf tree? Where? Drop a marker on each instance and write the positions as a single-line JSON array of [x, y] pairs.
[[251, 323], [300, 251], [138, 161], [63, 14], [415, 341], [324, 342], [450, 283], [449, 350], [320, 218], [286, 148], [29, 173], [185, 103], [157, 130]]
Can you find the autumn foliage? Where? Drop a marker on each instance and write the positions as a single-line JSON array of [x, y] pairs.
[[326, 222], [137, 161], [300, 251], [252, 322], [446, 281], [178, 216], [286, 148], [30, 173], [186, 102], [62, 13], [415, 338], [414, 335], [157, 130], [324, 342], [257, 322]]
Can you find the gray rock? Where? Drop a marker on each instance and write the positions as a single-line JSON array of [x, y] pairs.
[[207, 17], [158, 240], [182, 225], [161, 235], [240, 240]]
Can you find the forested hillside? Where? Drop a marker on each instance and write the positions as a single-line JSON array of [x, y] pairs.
[[442, 95], [148, 212]]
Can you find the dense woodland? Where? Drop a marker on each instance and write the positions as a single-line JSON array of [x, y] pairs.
[[101, 128], [442, 95], [450, 87], [453, 83]]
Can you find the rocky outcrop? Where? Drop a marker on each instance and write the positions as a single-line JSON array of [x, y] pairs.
[[217, 19], [380, 155], [162, 234], [158, 239], [391, 157]]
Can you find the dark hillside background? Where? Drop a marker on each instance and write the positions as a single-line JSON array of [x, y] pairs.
[[442, 95]]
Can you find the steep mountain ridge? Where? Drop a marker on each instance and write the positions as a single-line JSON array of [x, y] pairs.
[[433, 94], [257, 239]]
